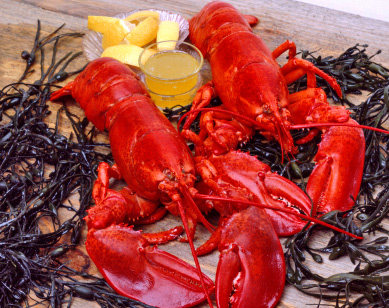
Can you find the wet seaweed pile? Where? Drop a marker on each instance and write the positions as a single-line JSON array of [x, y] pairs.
[[41, 172]]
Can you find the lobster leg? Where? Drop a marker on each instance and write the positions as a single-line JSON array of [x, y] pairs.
[[66, 90], [119, 206], [296, 68], [219, 133], [222, 133], [137, 270], [252, 20], [311, 106], [105, 172], [202, 99], [287, 45]]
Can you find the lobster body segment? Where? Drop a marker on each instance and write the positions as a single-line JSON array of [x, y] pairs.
[[135, 155]]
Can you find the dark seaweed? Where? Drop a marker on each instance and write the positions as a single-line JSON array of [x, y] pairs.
[[40, 171]]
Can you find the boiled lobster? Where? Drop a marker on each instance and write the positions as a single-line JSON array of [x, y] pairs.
[[158, 168], [250, 82]]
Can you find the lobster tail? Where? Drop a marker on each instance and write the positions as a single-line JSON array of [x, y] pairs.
[[205, 25], [104, 83]]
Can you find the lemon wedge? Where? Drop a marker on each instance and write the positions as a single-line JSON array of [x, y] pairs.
[[128, 54], [168, 31], [138, 17], [113, 29], [143, 33], [100, 23]]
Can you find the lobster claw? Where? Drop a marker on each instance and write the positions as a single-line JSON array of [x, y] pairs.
[[334, 183], [246, 172], [283, 193], [143, 272], [251, 265]]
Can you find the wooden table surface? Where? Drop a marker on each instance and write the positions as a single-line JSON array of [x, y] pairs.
[[327, 31]]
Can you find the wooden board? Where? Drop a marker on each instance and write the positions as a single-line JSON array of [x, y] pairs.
[[327, 31]]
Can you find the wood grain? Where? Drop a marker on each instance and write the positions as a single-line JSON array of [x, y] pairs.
[[327, 31]]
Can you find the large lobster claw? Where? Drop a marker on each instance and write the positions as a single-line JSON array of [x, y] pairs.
[[142, 272], [334, 183], [251, 269], [246, 172]]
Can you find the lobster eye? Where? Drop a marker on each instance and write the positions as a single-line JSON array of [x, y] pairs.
[[169, 174]]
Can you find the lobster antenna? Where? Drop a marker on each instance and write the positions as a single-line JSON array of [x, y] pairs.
[[255, 123], [309, 125], [203, 220], [260, 205], [237, 115], [280, 142], [193, 250]]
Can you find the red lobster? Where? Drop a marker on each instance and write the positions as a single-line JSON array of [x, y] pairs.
[[249, 82], [158, 167]]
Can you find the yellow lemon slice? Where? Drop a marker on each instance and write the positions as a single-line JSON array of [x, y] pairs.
[[116, 34], [142, 15], [128, 54], [144, 32], [168, 31], [100, 23], [113, 29]]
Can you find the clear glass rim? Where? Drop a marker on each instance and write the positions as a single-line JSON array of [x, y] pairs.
[[141, 66]]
